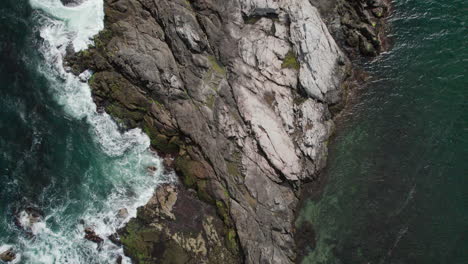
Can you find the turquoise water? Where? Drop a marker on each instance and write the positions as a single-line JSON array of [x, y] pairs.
[[397, 187], [57, 153]]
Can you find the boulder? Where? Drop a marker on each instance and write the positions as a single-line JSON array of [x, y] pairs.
[[8, 255], [151, 169], [122, 213]]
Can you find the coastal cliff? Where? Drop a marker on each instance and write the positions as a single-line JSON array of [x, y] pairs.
[[238, 98]]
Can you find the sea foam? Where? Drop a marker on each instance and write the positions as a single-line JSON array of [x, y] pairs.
[[130, 183]]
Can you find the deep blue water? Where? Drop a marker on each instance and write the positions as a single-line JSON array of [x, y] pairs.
[[397, 187]]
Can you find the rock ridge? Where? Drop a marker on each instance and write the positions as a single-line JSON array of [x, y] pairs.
[[236, 96]]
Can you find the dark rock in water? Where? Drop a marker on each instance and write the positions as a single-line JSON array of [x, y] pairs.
[[114, 238], [305, 240], [71, 2], [366, 48], [8, 255], [152, 169], [92, 236], [119, 260], [26, 218], [360, 19]]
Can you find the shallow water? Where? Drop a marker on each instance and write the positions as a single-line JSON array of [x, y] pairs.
[[58, 154], [397, 187]]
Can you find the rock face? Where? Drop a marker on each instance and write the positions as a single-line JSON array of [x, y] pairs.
[[236, 96]]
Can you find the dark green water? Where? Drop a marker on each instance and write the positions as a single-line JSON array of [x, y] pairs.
[[398, 168]]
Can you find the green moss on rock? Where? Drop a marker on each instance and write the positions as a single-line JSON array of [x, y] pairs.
[[233, 168], [138, 241], [231, 240], [160, 141], [130, 118], [210, 101], [216, 66], [202, 191], [185, 167], [223, 212], [290, 61]]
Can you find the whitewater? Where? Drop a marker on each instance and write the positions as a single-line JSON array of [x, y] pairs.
[[59, 238]]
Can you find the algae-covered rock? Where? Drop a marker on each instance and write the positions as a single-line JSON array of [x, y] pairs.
[[176, 227]]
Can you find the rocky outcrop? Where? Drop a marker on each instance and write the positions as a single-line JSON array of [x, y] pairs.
[[176, 227], [359, 26], [236, 96]]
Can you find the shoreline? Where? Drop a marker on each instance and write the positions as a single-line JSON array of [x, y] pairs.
[[314, 191], [193, 167]]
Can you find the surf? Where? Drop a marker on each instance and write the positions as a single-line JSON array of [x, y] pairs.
[[119, 182]]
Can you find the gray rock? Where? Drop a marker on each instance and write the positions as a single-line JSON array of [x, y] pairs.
[[122, 213], [235, 95]]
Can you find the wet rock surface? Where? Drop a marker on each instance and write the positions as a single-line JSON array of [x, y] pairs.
[[8, 255], [91, 235], [27, 218], [236, 95], [360, 25], [122, 213], [71, 2]]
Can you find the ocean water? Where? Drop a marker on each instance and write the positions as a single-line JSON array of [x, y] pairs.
[[57, 153], [397, 175]]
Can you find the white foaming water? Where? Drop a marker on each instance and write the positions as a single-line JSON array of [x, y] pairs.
[[130, 183]]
